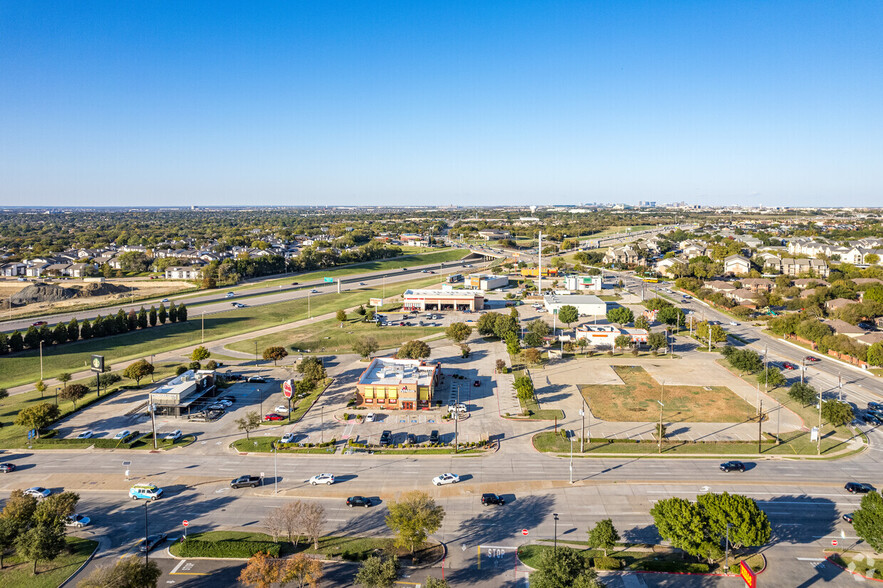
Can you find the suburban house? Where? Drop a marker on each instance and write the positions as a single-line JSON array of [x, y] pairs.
[[669, 267], [758, 284], [625, 254], [742, 296], [844, 328], [800, 266], [738, 265], [810, 282], [694, 250], [13, 269], [838, 303], [719, 286], [866, 281], [190, 272]]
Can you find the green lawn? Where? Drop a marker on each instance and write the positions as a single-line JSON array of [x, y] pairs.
[[328, 337], [50, 574], [636, 400], [532, 408], [24, 367]]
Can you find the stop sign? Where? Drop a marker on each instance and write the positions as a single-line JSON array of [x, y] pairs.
[[287, 387], [186, 523], [524, 531]]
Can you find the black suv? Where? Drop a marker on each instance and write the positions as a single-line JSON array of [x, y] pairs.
[[733, 466], [487, 499], [857, 488], [433, 437], [385, 437], [246, 482], [412, 439], [358, 501]]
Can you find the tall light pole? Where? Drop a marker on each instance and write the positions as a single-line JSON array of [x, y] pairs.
[[309, 306], [457, 421], [275, 471], [554, 516], [540, 269], [202, 329], [152, 408], [839, 387], [661, 406], [41, 359], [819, 439], [571, 459], [582, 437]]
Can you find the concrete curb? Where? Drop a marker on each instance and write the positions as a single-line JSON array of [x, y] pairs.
[[83, 565]]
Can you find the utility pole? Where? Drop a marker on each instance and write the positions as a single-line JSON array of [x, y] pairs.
[[554, 516], [802, 369], [571, 458], [661, 406], [309, 314], [540, 267], [203, 327], [760, 426], [839, 387], [41, 359], [275, 471], [582, 437], [457, 422], [152, 408], [819, 440]]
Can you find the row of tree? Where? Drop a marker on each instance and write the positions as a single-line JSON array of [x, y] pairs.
[[114, 324], [33, 529]]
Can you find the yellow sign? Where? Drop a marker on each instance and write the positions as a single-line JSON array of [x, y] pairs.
[[747, 574]]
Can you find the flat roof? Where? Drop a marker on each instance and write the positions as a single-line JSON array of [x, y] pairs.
[[572, 299], [443, 293], [393, 372]]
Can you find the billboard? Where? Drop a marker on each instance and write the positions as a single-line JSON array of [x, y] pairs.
[[97, 364], [375, 301], [288, 388]]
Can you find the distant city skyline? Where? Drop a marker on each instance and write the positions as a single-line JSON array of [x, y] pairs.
[[440, 103]]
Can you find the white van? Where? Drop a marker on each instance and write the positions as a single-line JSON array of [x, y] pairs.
[[147, 491]]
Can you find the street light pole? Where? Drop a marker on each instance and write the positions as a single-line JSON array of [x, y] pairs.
[[275, 471], [41, 360], [661, 406], [152, 409], [457, 422], [202, 329], [146, 550], [555, 516], [582, 436], [571, 459], [819, 439]]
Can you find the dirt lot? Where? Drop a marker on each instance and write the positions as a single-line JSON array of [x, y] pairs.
[[142, 289]]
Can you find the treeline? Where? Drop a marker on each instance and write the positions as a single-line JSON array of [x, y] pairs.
[[114, 324]]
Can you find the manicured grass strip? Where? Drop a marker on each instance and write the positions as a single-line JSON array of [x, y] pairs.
[[532, 408], [50, 574], [24, 367], [225, 544]]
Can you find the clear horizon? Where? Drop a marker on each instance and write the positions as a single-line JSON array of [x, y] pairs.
[[430, 103]]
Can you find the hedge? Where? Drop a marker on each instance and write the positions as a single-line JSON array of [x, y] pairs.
[[235, 548], [674, 566], [607, 563]]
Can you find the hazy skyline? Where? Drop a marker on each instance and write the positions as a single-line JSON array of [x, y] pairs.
[[353, 103]]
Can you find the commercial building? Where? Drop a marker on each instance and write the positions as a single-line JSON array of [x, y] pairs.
[[533, 272], [577, 283], [586, 305], [391, 384], [178, 395], [604, 336], [420, 300], [486, 282]]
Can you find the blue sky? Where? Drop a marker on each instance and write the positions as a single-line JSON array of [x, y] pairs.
[[419, 102]]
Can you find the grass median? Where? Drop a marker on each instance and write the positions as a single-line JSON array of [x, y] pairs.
[[50, 574]]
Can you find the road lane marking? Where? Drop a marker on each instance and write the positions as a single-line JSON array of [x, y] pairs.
[[178, 567], [810, 559]]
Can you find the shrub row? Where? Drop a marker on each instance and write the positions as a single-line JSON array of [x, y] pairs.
[[233, 548], [607, 563], [674, 566]]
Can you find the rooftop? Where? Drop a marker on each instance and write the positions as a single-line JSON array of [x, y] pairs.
[[470, 294], [392, 372], [572, 299]]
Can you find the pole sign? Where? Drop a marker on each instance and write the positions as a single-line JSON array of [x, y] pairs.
[[97, 364], [747, 574], [833, 543], [329, 280], [375, 302], [185, 523], [287, 388], [524, 532]]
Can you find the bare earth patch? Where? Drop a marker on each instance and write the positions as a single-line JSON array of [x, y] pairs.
[[636, 400]]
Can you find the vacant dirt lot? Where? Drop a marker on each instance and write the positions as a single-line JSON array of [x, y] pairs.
[[636, 399]]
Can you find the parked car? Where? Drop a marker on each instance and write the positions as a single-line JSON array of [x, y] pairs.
[[246, 482], [122, 434], [385, 437], [487, 499], [446, 479], [173, 436], [858, 488], [811, 359], [150, 542], [457, 408], [256, 380], [848, 517], [433, 437], [875, 406], [412, 439], [369, 418], [77, 520], [38, 492], [358, 501], [287, 438], [871, 418], [230, 399], [732, 466], [322, 479], [7, 467], [476, 383], [85, 435], [273, 417], [281, 408]]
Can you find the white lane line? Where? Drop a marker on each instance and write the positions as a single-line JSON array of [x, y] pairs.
[[810, 559], [178, 567]]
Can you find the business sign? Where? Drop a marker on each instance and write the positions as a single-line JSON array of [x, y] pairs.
[[287, 388], [375, 301], [97, 364], [746, 574], [329, 280]]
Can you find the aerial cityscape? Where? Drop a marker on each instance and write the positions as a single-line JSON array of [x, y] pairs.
[[551, 295]]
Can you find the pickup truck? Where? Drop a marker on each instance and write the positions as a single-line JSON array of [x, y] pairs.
[[246, 481]]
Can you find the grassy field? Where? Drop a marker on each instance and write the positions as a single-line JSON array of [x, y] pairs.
[[637, 401], [328, 337], [348, 548], [24, 367], [50, 574]]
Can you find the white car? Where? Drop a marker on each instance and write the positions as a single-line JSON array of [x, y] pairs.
[[231, 294], [734, 323], [173, 436], [122, 434], [322, 479], [314, 291], [281, 409], [446, 479], [287, 438], [38, 492], [458, 408], [369, 418], [85, 435], [77, 520]]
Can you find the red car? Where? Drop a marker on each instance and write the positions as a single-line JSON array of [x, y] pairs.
[[273, 417], [40, 323], [788, 366], [811, 359]]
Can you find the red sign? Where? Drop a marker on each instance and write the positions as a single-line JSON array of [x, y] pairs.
[[287, 388], [524, 531], [747, 574], [186, 523], [834, 542]]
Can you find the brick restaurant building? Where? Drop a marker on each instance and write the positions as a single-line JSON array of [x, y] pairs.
[[392, 384]]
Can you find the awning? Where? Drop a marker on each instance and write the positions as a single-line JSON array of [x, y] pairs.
[[368, 393]]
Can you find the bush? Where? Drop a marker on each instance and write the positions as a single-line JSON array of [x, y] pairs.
[[608, 563], [674, 566], [211, 365], [226, 549], [180, 370]]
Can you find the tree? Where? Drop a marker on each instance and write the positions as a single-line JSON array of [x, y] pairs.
[[73, 392], [802, 393], [365, 346], [772, 377], [746, 360], [718, 334], [376, 572], [513, 312], [130, 572], [40, 387], [173, 313], [4, 393], [301, 571], [312, 370], [872, 259], [837, 413], [540, 327], [568, 314], [142, 318], [275, 353], [312, 521], [620, 315], [603, 535], [750, 525], [413, 518], [503, 325], [513, 346], [524, 388], [16, 342], [563, 567], [657, 340], [59, 334], [151, 316], [670, 315], [262, 570], [37, 416], [361, 310], [138, 370], [533, 340], [341, 316], [641, 322], [458, 332], [182, 313], [868, 520], [415, 349], [162, 314], [86, 330], [251, 421], [41, 541], [15, 519], [875, 354], [431, 582], [622, 341], [64, 378], [200, 353], [54, 509], [500, 365], [679, 522]]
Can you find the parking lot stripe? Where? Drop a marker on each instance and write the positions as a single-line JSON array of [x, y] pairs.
[[178, 567]]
